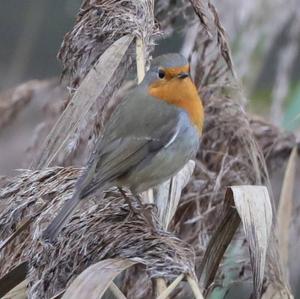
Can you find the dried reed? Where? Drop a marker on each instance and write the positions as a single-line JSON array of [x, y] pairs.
[[229, 155]]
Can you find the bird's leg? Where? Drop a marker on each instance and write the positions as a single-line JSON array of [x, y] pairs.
[[127, 200], [146, 213]]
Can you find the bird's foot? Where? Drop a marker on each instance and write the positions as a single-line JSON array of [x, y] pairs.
[[143, 210]]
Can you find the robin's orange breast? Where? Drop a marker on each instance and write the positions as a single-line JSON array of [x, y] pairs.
[[183, 94]]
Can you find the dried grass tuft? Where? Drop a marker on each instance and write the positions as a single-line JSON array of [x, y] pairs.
[[211, 24], [106, 229], [98, 25]]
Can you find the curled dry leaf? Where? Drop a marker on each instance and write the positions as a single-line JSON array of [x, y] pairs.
[[218, 243], [94, 281], [254, 207], [275, 288], [251, 205]]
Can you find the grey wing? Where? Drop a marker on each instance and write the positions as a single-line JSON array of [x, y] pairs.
[[113, 159]]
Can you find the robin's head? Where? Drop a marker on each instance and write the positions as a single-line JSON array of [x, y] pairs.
[[167, 67], [169, 79]]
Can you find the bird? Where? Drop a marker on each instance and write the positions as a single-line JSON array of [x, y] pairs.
[[148, 138]]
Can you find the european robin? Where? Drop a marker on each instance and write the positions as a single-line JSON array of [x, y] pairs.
[[149, 137]]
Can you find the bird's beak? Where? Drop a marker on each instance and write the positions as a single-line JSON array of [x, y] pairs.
[[183, 75]]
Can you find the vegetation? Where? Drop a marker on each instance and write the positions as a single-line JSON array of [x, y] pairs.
[[218, 226]]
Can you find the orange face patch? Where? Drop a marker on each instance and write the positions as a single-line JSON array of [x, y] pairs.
[[181, 93]]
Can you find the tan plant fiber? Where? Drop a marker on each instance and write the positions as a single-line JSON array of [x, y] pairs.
[[100, 23], [229, 155], [105, 230]]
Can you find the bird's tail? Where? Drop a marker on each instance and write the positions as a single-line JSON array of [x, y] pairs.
[[63, 216]]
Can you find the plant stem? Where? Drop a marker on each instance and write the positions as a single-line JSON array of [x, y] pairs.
[[116, 291], [171, 287], [195, 288], [140, 59], [160, 286]]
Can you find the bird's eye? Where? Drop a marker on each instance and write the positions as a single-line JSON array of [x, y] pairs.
[[161, 73]]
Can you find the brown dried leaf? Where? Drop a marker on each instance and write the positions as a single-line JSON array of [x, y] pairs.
[[93, 84], [94, 281], [219, 242], [253, 206]]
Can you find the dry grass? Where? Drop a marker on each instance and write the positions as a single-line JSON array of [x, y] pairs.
[[119, 234], [98, 25], [234, 151]]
